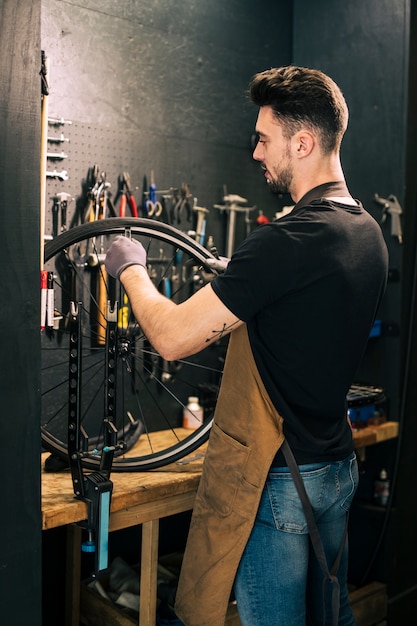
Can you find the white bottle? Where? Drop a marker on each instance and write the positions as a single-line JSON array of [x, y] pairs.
[[193, 414], [381, 488]]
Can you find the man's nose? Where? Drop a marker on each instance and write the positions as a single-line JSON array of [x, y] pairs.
[[258, 152]]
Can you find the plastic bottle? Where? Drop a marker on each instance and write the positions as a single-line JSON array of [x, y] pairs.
[[193, 414], [381, 488]]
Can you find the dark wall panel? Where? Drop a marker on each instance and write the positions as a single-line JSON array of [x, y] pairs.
[[20, 96], [363, 46], [173, 76]]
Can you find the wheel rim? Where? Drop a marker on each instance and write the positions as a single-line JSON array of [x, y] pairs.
[[150, 393]]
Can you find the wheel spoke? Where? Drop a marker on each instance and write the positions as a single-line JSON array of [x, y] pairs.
[[150, 393]]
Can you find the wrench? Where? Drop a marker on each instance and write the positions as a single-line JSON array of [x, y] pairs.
[[63, 175], [58, 121], [56, 155], [59, 139]]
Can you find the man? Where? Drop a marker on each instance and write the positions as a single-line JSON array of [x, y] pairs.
[[299, 298]]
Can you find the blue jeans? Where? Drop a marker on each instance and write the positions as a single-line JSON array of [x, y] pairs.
[[279, 582]]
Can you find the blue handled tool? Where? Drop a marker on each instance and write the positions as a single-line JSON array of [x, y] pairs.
[[153, 206]]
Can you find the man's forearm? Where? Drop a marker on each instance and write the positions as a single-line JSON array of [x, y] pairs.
[[176, 330], [153, 311]]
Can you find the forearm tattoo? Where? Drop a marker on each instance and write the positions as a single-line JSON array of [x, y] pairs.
[[218, 334]]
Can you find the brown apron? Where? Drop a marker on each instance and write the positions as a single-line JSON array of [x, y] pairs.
[[246, 434]]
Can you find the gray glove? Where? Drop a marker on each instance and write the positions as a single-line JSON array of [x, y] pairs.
[[219, 264], [122, 253]]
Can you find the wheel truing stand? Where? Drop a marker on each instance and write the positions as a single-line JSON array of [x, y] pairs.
[[95, 488]]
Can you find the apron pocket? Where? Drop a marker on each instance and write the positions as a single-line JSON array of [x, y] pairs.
[[224, 468]]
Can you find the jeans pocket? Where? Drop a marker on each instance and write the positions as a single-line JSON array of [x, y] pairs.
[[285, 502], [349, 480]]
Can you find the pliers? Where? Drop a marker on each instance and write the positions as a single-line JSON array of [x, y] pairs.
[[125, 195], [182, 203]]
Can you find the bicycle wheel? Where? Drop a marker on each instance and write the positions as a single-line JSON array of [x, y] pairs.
[[148, 393]]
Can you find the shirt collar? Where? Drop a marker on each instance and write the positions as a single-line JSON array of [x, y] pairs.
[[336, 188]]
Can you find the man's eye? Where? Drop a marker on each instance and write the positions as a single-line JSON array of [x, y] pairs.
[[255, 139]]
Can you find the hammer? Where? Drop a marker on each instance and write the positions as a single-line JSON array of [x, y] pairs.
[[232, 206], [201, 216]]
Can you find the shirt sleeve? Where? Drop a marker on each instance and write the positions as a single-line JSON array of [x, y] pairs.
[[259, 273]]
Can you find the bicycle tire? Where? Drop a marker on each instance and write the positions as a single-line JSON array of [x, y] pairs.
[[152, 231]]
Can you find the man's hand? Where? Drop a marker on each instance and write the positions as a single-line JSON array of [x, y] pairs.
[[122, 253]]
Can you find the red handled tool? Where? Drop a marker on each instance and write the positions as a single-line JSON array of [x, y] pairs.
[[126, 197], [44, 297], [50, 306]]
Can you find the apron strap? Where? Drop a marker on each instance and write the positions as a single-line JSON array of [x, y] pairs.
[[330, 576]]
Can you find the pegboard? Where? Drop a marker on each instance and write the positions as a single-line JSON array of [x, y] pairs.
[[139, 152], [114, 151]]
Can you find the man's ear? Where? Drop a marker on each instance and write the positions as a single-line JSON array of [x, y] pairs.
[[304, 142]]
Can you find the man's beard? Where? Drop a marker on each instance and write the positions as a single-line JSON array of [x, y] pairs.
[[280, 179], [282, 183]]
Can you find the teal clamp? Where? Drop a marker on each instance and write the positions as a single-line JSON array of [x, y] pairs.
[[97, 493]]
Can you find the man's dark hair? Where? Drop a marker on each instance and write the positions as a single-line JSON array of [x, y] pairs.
[[302, 97]]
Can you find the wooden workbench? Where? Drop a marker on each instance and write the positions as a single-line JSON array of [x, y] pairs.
[[370, 435], [138, 498], [141, 498]]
